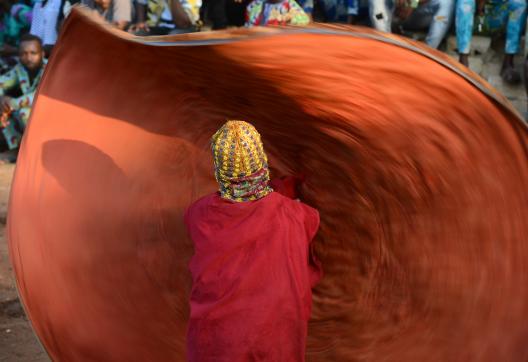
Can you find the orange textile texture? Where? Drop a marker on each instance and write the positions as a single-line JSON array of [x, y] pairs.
[[418, 169]]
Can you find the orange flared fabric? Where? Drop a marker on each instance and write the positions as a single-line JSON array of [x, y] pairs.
[[418, 170]]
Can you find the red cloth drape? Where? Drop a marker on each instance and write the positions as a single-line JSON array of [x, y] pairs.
[[252, 276]]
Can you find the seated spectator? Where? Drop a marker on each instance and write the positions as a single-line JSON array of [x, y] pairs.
[[45, 22], [15, 20], [417, 15], [493, 14], [275, 12], [22, 79], [116, 12], [162, 17]]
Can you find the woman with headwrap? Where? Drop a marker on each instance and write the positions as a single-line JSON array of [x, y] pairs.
[[252, 269]]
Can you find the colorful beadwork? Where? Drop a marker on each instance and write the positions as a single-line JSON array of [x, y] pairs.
[[241, 166]]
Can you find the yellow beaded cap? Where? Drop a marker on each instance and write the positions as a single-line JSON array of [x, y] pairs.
[[241, 166]]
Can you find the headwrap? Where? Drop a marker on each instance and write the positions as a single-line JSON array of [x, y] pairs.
[[241, 166]]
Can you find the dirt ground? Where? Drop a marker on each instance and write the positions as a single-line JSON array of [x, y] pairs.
[[17, 340]]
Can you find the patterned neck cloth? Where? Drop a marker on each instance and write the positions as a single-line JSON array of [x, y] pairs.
[[241, 166]]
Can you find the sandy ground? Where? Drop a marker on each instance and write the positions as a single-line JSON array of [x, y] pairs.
[[17, 340]]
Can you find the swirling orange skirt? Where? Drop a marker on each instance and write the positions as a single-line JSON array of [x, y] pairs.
[[418, 169]]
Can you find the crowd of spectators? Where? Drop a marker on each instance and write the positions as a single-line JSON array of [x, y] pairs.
[[29, 30]]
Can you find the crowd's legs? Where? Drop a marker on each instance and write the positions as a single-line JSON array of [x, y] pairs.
[[380, 12], [340, 11], [435, 15], [499, 14]]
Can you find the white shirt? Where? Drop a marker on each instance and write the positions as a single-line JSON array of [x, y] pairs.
[[44, 23]]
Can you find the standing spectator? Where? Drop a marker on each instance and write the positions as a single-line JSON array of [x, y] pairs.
[[494, 14], [24, 78], [275, 12], [45, 22], [116, 12], [162, 17], [415, 15]]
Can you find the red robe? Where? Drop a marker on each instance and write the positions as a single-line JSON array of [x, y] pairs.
[[252, 277]]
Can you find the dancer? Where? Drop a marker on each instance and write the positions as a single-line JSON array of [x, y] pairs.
[[252, 269]]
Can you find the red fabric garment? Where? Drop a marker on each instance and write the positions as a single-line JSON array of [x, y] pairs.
[[252, 277]]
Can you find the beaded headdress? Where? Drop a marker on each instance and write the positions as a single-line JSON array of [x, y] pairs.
[[241, 166]]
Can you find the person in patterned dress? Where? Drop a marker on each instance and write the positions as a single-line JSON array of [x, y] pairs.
[[24, 77], [275, 12]]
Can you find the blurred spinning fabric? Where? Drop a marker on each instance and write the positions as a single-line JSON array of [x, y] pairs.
[[418, 170]]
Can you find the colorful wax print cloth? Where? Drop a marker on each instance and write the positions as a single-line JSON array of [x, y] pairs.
[[19, 77], [499, 15], [15, 23], [286, 12]]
